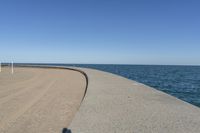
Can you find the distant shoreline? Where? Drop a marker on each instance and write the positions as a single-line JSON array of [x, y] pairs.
[[59, 64]]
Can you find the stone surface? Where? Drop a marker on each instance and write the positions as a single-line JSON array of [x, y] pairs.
[[114, 104]]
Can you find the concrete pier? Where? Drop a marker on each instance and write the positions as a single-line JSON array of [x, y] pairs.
[[114, 104], [111, 104]]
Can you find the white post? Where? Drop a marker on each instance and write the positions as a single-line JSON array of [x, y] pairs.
[[12, 69]]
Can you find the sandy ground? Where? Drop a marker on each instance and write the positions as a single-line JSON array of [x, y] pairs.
[[39, 100]]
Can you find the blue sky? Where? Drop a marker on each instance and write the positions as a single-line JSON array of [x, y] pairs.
[[100, 31]]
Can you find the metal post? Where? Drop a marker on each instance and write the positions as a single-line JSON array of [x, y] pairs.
[[12, 69]]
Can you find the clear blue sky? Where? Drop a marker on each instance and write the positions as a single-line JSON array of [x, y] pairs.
[[100, 31]]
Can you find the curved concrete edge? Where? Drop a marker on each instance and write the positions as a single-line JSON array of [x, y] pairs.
[[118, 105], [59, 67], [114, 104]]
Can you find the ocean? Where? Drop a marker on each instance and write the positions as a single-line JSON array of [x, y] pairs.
[[182, 82]]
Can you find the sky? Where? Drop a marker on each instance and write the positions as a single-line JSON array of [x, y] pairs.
[[165, 32]]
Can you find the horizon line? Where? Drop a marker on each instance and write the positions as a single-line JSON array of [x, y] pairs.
[[103, 64]]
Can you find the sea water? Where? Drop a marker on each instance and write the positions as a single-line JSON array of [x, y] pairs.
[[182, 82]]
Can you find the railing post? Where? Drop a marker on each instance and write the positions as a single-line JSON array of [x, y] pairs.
[[12, 69]]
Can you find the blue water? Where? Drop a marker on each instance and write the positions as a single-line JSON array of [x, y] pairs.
[[182, 82]]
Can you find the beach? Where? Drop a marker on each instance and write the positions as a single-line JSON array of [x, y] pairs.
[[39, 100]]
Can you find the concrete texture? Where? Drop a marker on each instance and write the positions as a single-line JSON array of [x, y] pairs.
[[39, 100], [114, 104]]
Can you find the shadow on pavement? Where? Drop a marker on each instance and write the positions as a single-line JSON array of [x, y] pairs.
[[65, 130]]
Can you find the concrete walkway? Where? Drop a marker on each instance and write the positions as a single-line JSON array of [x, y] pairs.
[[114, 104], [39, 100]]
